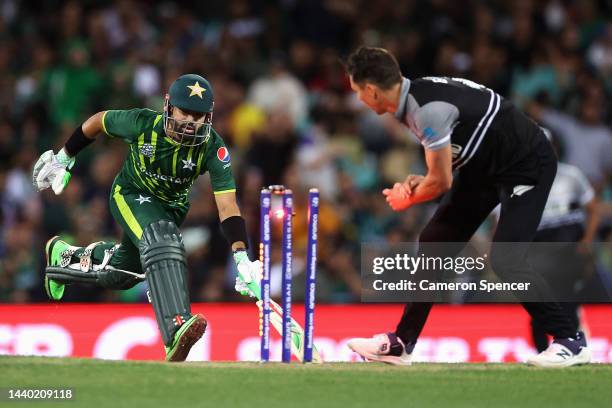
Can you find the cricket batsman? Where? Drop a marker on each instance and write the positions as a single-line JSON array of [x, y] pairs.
[[149, 198]]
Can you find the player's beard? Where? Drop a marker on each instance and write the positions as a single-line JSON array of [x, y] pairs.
[[188, 133], [187, 129], [184, 132]]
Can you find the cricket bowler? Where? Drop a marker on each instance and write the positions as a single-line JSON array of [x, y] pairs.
[[480, 151], [149, 199]]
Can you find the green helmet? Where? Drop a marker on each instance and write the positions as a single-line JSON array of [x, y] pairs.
[[191, 93]]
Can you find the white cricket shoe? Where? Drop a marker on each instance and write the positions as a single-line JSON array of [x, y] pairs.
[[385, 347], [563, 353]]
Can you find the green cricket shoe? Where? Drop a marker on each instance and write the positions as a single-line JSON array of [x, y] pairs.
[[54, 249], [187, 335]]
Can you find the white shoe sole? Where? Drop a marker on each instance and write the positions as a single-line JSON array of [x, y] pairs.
[[393, 360], [584, 357]]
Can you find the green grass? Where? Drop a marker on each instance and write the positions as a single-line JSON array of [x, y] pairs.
[[99, 384]]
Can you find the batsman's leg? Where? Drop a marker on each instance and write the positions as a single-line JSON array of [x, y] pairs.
[[100, 263], [163, 259], [153, 229]]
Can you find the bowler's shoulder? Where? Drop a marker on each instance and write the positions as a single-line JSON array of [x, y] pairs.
[[428, 89]]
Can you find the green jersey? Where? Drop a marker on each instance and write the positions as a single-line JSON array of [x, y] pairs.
[[159, 166]]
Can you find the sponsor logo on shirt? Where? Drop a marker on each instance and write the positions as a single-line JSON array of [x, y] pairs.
[[223, 154]]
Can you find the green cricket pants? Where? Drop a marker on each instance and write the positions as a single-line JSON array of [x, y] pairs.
[[134, 211]]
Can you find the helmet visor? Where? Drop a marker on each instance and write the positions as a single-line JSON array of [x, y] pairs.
[[189, 133]]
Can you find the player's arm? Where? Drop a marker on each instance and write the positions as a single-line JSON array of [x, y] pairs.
[[593, 217], [93, 126], [119, 123], [438, 179], [234, 230], [435, 121], [53, 170], [232, 223], [84, 135], [219, 167], [418, 189], [584, 194]]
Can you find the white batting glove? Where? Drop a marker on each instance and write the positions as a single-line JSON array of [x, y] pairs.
[[52, 170], [249, 275]]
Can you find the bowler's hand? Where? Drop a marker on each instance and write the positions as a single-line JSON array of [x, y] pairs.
[[397, 197], [411, 182]]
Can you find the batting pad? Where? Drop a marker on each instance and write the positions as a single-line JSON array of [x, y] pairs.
[[164, 263]]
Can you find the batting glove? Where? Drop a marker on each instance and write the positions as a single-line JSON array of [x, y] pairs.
[[249, 275], [52, 170]]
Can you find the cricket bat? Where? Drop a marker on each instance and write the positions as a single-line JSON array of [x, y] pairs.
[[297, 332]]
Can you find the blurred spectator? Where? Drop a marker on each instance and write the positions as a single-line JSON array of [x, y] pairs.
[[273, 150], [283, 106], [71, 89], [19, 269], [586, 141], [600, 56], [280, 91]]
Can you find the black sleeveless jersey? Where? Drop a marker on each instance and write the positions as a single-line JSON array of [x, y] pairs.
[[489, 137]]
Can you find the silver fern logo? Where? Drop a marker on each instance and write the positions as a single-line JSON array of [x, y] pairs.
[[456, 150]]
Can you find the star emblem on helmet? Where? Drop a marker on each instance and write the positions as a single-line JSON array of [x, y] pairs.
[[196, 89]]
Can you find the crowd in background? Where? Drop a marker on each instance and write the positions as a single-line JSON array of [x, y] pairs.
[[284, 107]]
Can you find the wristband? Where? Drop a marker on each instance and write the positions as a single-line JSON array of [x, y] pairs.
[[63, 158], [234, 230], [77, 142]]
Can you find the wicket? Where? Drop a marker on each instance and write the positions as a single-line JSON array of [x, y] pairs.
[[287, 262]]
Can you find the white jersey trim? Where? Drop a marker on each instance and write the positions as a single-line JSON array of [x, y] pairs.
[[489, 116]]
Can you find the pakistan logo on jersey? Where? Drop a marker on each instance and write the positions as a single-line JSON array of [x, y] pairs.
[[147, 149], [163, 177]]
